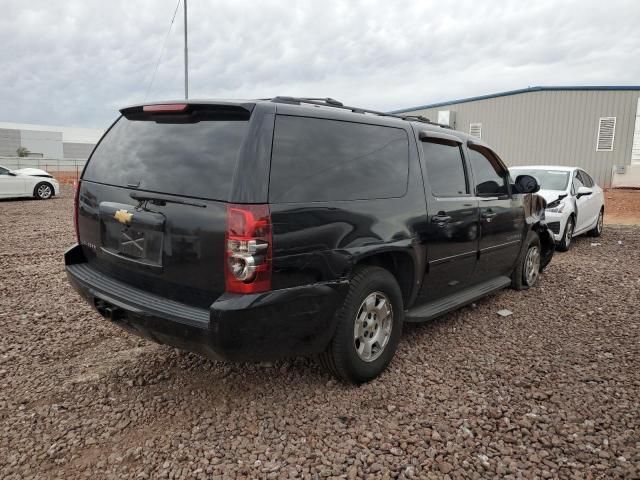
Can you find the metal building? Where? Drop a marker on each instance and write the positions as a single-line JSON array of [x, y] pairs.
[[45, 141], [596, 128]]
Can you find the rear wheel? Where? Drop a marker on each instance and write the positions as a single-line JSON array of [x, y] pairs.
[[369, 326], [527, 271], [567, 236], [43, 191], [597, 230]]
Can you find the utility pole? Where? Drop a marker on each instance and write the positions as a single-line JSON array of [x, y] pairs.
[[186, 54]]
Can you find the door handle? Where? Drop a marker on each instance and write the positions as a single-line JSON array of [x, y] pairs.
[[488, 215], [441, 218]]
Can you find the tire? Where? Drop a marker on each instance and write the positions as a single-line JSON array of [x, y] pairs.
[[597, 230], [43, 191], [567, 235], [362, 317], [528, 269]]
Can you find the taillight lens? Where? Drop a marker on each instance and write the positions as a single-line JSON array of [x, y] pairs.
[[248, 249], [76, 199]]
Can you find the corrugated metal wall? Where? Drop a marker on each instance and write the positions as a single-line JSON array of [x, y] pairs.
[[552, 127]]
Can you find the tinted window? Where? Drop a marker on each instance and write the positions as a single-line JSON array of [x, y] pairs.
[[445, 169], [547, 179], [3, 171], [190, 159], [489, 178], [319, 160], [586, 179], [577, 182]]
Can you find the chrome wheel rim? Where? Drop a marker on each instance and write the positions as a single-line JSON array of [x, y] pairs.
[[44, 191], [569, 233], [600, 222], [532, 265], [372, 328]]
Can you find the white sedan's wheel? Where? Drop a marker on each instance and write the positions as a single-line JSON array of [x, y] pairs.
[[43, 191], [567, 236], [597, 230]]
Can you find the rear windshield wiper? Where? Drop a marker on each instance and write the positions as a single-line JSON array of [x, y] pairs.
[[161, 200]]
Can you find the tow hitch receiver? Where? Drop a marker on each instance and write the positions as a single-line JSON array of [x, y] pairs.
[[108, 311]]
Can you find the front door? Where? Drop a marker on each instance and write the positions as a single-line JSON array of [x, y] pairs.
[[10, 185], [587, 206], [501, 216], [451, 235]]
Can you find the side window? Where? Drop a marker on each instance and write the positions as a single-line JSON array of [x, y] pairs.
[[577, 182], [3, 171], [445, 169], [490, 180], [586, 179], [316, 160]]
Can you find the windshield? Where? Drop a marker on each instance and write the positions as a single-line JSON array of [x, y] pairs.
[[548, 179]]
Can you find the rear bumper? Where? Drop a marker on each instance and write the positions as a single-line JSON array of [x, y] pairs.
[[254, 327]]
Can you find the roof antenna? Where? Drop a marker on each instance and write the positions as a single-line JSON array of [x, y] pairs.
[[186, 54]]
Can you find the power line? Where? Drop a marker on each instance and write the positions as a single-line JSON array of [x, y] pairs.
[[164, 44]]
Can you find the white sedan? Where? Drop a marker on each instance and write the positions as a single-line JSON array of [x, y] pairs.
[[27, 182], [575, 204]]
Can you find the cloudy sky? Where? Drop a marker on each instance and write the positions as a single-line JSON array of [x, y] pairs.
[[75, 62]]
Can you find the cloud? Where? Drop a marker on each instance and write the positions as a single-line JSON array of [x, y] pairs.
[[76, 62]]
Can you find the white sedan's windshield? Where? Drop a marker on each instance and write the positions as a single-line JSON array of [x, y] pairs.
[[548, 179]]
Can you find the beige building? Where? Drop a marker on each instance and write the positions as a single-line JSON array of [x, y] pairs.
[[595, 128]]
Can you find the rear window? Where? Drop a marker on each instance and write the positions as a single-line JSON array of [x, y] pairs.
[[317, 160], [186, 159]]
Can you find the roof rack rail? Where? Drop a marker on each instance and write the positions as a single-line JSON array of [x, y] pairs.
[[331, 102]]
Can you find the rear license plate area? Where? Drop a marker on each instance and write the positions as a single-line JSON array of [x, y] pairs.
[[132, 243], [136, 236]]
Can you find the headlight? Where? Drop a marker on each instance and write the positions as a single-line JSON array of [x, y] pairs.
[[556, 207]]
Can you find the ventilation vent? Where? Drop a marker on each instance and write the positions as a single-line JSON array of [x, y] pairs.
[[606, 134], [475, 130]]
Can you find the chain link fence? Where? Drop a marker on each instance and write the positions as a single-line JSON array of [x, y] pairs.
[[66, 170]]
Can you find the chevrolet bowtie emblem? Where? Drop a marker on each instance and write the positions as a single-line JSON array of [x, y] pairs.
[[123, 216]]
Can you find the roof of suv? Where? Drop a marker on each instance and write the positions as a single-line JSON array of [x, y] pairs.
[[327, 105]]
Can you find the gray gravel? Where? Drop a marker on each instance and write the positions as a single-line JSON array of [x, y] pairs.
[[550, 391]]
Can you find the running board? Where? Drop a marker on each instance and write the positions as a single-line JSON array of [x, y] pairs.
[[455, 301]]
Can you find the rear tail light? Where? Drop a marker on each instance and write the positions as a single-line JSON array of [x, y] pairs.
[[248, 249], [76, 199]]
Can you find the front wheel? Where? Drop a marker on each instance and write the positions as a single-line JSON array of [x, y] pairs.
[[43, 191], [527, 271], [369, 326], [597, 230], [567, 236]]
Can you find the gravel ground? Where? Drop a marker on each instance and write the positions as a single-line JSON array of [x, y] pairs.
[[550, 391]]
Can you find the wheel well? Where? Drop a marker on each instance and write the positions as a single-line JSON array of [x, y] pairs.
[[401, 267]]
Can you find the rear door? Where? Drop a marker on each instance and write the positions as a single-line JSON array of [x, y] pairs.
[[501, 215], [153, 199], [452, 232]]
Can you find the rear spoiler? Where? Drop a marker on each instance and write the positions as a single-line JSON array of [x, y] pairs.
[[188, 112]]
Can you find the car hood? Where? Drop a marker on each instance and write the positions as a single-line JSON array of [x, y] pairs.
[[32, 172], [550, 195]]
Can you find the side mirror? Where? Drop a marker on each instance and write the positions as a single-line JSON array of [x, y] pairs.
[[527, 184], [583, 191]]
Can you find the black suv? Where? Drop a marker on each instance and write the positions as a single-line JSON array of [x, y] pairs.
[[254, 230]]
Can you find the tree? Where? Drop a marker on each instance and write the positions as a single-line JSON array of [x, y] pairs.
[[23, 152]]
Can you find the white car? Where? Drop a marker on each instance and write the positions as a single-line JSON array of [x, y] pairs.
[[27, 182], [575, 204]]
